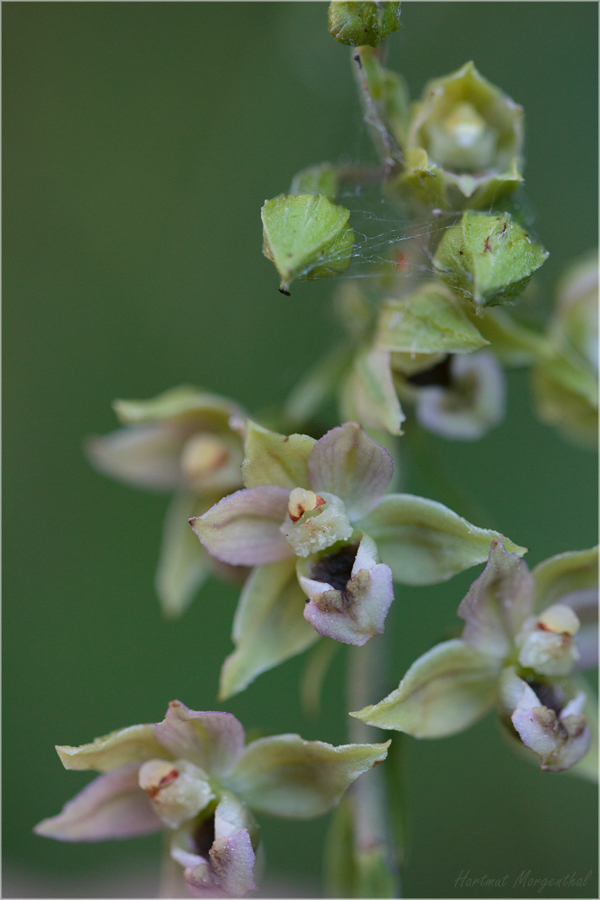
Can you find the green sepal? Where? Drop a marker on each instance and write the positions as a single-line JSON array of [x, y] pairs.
[[369, 396], [269, 626], [563, 574], [272, 458], [443, 692], [183, 565], [487, 259], [115, 749], [323, 179], [572, 414], [306, 237], [367, 23], [427, 322], [424, 542], [289, 777], [513, 343], [181, 404]]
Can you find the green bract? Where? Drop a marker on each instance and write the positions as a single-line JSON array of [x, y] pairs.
[[487, 259], [363, 23], [306, 237], [464, 143]]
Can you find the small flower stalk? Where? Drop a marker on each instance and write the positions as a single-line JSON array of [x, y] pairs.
[[194, 775]]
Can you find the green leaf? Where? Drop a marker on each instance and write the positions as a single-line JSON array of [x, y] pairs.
[[424, 542], [272, 458], [368, 23], [184, 565], [369, 395], [443, 692], [306, 236], [428, 321], [487, 259], [127, 745], [287, 776], [564, 574], [269, 626]]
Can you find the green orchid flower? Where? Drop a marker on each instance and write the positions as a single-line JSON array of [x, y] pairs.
[[194, 775], [519, 651], [182, 442]]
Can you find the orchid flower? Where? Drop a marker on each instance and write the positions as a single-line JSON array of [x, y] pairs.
[[519, 650], [194, 775], [181, 442], [326, 543]]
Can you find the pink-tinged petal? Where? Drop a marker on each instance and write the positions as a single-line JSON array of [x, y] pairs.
[[146, 456], [348, 463], [349, 593], [111, 806], [559, 741], [243, 529], [498, 602], [225, 868], [214, 741]]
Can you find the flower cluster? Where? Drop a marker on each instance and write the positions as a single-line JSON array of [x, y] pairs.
[[194, 775], [518, 651]]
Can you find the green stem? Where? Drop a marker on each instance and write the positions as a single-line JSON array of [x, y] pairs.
[[378, 874]]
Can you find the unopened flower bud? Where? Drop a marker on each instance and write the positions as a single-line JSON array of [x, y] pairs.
[[464, 143], [487, 259], [357, 24], [306, 237], [177, 791]]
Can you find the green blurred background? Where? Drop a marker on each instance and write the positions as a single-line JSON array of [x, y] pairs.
[[140, 141]]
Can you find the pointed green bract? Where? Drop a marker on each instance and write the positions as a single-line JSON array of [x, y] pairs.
[[363, 23], [424, 542], [184, 564], [269, 626], [428, 321], [306, 237], [443, 692], [272, 458], [115, 749], [487, 259], [290, 777]]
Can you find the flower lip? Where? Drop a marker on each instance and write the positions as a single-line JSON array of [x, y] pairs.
[[335, 568]]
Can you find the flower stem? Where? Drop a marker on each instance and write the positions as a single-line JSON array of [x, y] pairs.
[[373, 843]]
